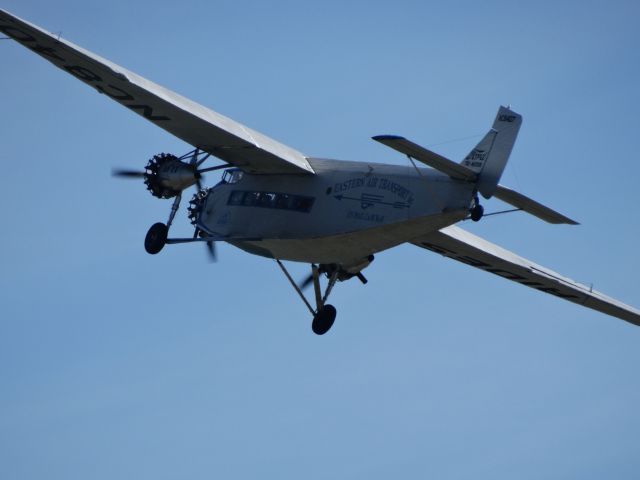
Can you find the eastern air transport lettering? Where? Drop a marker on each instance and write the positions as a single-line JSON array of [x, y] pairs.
[[378, 183], [348, 185]]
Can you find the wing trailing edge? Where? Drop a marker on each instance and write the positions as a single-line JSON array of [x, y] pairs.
[[197, 125], [460, 245]]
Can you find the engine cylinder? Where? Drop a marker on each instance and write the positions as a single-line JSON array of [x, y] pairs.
[[196, 204]]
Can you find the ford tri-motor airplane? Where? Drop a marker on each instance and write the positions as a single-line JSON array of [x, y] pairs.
[[335, 215]]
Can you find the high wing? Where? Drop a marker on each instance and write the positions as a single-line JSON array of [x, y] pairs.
[[453, 242], [197, 125]]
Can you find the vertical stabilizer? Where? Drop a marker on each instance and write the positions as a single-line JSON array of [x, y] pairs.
[[490, 156]]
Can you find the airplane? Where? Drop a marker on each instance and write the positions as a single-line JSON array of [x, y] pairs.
[[334, 215]]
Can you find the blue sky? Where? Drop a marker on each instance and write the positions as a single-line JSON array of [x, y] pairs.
[[117, 364]]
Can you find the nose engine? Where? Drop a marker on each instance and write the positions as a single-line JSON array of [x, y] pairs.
[[196, 204]]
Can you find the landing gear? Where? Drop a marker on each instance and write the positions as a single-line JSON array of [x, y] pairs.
[[156, 238], [157, 235], [324, 314], [477, 212], [323, 320]]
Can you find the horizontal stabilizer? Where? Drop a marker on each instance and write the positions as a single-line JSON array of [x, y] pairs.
[[429, 158], [458, 244], [530, 206]]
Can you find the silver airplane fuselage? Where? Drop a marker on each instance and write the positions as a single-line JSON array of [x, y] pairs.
[[342, 214]]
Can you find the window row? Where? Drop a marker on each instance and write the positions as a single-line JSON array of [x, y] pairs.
[[282, 201]]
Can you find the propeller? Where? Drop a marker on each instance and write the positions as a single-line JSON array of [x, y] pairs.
[[306, 282], [123, 173], [211, 251], [210, 245], [342, 275]]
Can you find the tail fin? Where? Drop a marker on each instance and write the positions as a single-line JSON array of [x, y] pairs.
[[490, 156]]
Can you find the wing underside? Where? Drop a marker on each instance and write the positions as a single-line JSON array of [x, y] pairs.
[[197, 125], [458, 244]]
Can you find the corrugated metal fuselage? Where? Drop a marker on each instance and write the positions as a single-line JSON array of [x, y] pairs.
[[342, 214]]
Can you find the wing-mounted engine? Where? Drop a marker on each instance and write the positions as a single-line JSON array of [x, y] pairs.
[[166, 176]]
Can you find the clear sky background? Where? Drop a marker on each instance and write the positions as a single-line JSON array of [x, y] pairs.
[[118, 364]]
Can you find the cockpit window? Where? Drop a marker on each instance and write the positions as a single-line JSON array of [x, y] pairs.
[[231, 176], [280, 201]]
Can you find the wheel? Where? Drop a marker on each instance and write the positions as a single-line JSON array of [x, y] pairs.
[[477, 212], [323, 320], [156, 238]]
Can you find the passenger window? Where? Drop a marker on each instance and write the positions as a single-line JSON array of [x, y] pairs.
[[231, 176], [280, 201], [303, 204]]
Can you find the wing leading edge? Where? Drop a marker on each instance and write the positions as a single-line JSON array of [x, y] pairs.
[[453, 242], [197, 125]]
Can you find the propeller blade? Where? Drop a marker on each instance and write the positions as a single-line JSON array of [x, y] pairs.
[[123, 173], [211, 249], [306, 282]]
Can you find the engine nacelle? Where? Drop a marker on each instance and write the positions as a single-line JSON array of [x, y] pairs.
[[166, 176]]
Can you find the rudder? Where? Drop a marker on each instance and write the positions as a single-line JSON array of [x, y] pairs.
[[489, 157]]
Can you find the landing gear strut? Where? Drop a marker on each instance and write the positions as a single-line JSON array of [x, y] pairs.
[[156, 237], [324, 314]]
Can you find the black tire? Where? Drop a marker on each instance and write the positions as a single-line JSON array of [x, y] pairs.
[[323, 320], [156, 238], [477, 212]]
